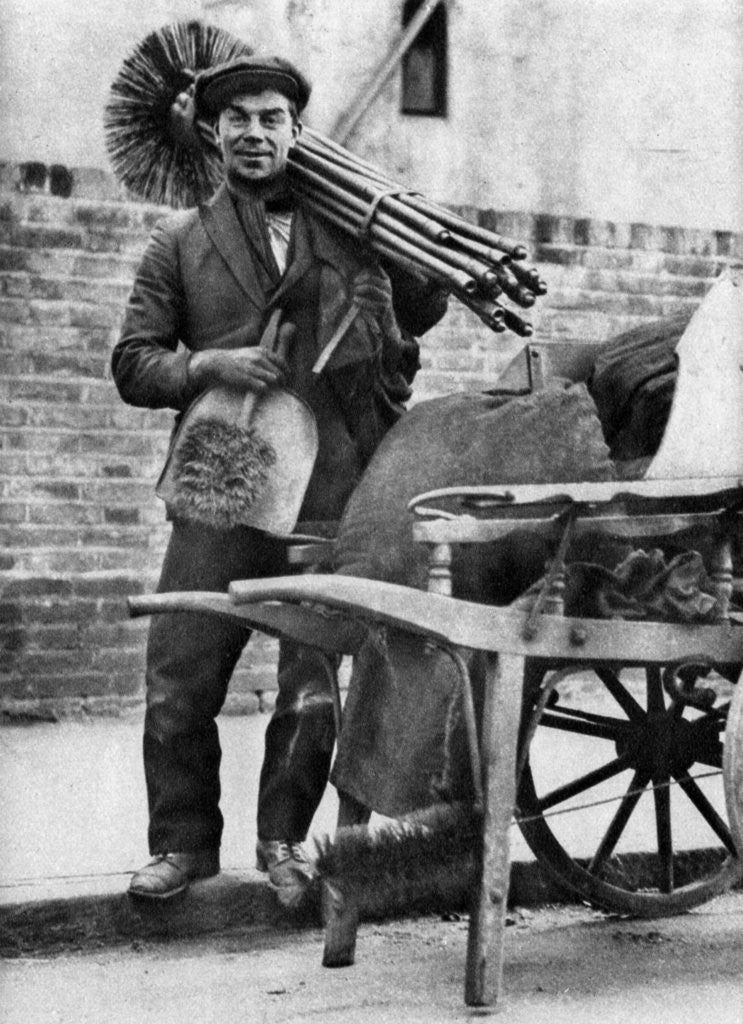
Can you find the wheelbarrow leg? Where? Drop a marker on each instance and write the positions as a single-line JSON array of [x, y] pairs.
[[499, 740], [340, 909]]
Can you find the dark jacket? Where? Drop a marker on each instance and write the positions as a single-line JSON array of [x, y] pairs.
[[200, 283]]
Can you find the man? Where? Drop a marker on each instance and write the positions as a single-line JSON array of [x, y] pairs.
[[210, 279]]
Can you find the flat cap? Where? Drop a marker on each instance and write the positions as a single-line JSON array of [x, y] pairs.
[[216, 86]]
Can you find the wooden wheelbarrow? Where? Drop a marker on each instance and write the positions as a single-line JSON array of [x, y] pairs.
[[335, 613]]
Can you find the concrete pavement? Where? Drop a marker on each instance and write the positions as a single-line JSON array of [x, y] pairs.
[[563, 966]]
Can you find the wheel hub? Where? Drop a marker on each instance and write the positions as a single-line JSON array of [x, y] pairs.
[[664, 744]]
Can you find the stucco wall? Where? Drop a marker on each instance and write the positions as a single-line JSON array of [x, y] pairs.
[[590, 108]]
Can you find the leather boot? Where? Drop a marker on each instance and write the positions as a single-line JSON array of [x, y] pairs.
[[169, 874], [290, 870]]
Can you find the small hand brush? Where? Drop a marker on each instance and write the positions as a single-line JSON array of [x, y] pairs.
[[221, 469], [221, 463]]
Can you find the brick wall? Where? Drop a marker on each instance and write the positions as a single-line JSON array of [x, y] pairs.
[[79, 523]]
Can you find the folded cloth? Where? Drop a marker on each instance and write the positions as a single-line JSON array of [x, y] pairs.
[[643, 586]]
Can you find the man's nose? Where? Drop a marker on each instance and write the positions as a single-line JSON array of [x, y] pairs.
[[253, 129]]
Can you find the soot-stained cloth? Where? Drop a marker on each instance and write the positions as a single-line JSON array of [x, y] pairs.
[[403, 744], [552, 435]]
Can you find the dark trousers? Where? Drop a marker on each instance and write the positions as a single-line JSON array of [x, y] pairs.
[[190, 659]]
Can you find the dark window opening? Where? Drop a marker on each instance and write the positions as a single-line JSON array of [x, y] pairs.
[[424, 64]]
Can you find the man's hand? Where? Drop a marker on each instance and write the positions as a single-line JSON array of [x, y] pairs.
[[372, 293], [251, 368]]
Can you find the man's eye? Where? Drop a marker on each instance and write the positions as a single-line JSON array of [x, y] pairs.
[[270, 122]]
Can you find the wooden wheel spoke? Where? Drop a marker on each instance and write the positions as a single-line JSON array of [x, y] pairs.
[[589, 716], [588, 781], [554, 719], [654, 689], [619, 821], [618, 724], [705, 808], [662, 800], [632, 709]]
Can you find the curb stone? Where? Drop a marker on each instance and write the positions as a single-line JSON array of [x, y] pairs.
[[234, 901]]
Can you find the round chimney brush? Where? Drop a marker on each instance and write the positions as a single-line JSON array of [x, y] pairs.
[[153, 149]]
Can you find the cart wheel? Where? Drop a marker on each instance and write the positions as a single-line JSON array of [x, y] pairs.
[[732, 765], [635, 743]]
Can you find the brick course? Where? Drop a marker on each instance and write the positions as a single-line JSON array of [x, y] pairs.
[[80, 528]]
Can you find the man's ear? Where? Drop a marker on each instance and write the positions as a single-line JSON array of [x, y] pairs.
[[297, 130]]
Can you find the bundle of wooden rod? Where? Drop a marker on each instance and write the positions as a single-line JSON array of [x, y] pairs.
[[478, 266], [474, 264]]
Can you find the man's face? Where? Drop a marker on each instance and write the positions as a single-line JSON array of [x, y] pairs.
[[256, 133]]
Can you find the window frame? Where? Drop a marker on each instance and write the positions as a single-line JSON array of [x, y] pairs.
[[434, 36]]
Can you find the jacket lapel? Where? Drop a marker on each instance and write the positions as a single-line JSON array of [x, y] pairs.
[[223, 227], [312, 243]]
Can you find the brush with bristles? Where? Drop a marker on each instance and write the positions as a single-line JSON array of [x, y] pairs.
[[221, 469], [420, 865], [154, 149], [221, 463]]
